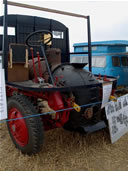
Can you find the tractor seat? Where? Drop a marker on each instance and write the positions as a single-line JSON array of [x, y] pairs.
[[18, 63]]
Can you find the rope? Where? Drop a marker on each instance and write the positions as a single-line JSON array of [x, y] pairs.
[[47, 113]]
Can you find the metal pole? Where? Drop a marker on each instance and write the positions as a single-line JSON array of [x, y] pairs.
[[47, 64], [5, 41], [89, 44], [46, 9]]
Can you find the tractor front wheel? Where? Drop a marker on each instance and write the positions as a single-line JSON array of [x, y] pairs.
[[25, 130]]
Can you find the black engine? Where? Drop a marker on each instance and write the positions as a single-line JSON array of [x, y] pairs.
[[74, 75]]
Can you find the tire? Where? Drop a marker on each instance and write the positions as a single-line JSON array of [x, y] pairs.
[[27, 134]]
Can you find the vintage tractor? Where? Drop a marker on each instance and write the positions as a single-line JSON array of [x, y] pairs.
[[58, 91], [44, 90]]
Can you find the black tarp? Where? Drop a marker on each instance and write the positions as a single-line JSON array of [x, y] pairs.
[[27, 24]]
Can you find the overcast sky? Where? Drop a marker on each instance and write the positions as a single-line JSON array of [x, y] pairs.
[[109, 19]]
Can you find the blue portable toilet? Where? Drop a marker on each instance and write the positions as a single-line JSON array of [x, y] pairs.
[[108, 58]]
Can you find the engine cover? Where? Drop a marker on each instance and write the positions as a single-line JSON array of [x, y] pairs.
[[69, 75], [73, 76]]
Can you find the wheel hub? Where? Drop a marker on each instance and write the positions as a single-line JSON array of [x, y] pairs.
[[18, 127]]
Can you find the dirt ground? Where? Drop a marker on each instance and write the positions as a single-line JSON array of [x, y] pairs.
[[67, 151]]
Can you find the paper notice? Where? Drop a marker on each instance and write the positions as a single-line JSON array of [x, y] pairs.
[[117, 115], [3, 102], [0, 62], [107, 88]]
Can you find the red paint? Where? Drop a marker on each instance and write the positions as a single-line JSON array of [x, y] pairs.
[[55, 100], [58, 78], [105, 78], [18, 127], [113, 92], [11, 90]]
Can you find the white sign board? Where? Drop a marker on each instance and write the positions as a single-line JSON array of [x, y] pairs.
[[0, 62], [3, 102], [107, 88], [117, 115]]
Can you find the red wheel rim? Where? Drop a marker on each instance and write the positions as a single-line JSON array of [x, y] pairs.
[[18, 127]]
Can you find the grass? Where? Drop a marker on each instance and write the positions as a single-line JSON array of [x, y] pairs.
[[67, 151]]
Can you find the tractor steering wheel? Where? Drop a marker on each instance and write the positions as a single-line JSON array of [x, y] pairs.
[[37, 38]]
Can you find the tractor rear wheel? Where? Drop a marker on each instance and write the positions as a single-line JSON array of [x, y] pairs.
[[27, 134]]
